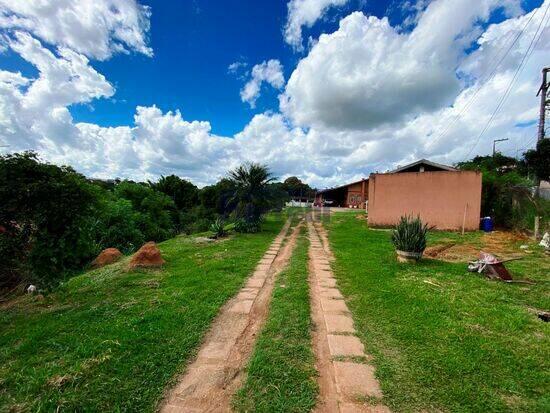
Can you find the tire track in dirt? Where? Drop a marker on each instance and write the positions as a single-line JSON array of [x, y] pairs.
[[346, 381], [210, 381]]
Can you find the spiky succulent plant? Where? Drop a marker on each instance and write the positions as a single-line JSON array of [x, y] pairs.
[[410, 234]]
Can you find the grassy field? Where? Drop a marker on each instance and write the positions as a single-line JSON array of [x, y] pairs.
[[444, 339], [281, 372], [111, 340]]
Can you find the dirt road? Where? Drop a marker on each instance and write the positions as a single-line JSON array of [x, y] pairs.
[[210, 381]]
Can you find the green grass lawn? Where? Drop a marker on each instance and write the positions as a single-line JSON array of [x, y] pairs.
[[281, 373], [111, 340], [444, 339]]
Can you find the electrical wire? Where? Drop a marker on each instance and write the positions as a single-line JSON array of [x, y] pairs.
[[491, 76], [524, 59]]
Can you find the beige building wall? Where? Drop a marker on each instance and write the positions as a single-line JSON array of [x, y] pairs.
[[442, 199]]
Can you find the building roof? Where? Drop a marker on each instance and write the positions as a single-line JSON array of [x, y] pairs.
[[424, 162], [421, 162], [341, 186]]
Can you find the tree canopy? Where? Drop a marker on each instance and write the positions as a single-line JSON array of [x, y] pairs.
[[251, 195], [297, 189], [538, 160]]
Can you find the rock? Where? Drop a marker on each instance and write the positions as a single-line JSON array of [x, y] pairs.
[[545, 242], [106, 257], [148, 256]]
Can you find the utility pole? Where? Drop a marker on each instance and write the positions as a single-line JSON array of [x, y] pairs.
[[544, 102], [495, 143]]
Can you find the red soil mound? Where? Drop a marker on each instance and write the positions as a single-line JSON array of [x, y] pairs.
[[106, 257], [147, 256]]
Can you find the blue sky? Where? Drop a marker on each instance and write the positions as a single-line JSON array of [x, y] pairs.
[[194, 45], [335, 104], [194, 42]]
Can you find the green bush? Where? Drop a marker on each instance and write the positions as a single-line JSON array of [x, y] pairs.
[[53, 221], [193, 220], [410, 235], [184, 194], [248, 226], [506, 194], [14, 255], [155, 210], [118, 226], [46, 214]]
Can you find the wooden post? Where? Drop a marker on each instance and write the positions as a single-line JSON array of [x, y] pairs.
[[537, 227], [464, 217]]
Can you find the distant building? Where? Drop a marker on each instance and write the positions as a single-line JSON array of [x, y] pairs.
[[441, 195], [353, 195], [544, 189]]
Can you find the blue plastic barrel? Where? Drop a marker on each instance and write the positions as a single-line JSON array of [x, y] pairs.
[[487, 224]]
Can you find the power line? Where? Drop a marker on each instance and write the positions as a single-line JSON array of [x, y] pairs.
[[491, 76], [511, 84], [531, 141]]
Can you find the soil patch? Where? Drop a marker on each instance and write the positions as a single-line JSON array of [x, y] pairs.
[[499, 243]]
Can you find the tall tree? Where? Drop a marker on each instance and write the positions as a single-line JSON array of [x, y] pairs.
[[184, 193], [217, 197], [251, 196], [296, 188]]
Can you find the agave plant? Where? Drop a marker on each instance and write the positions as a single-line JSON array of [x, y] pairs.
[[218, 228], [409, 235]]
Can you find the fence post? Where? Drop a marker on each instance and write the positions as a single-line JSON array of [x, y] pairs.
[[537, 225]]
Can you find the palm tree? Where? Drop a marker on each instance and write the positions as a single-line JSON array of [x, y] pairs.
[[251, 195]]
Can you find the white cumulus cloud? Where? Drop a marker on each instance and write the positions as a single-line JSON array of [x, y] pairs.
[[305, 13], [368, 73], [95, 28], [270, 72], [34, 112]]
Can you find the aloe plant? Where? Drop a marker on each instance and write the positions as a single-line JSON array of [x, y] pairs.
[[218, 228], [410, 234]]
